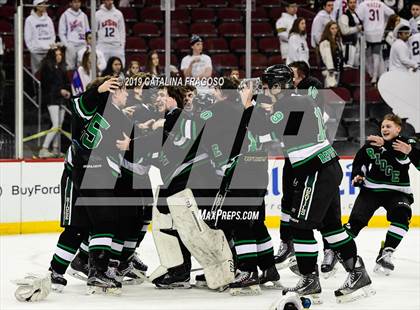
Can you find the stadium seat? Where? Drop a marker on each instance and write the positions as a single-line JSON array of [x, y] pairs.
[[215, 3], [174, 60], [341, 134], [275, 14], [275, 60], [239, 4], [224, 61], [203, 15], [179, 30], [229, 15], [141, 58], [258, 61], [129, 14], [157, 44], [146, 30], [306, 14], [217, 45], [237, 45], [262, 30], [346, 148], [6, 27], [373, 96], [183, 46], [259, 15], [152, 3], [151, 15], [378, 111], [269, 3], [187, 4], [269, 45], [351, 77], [354, 130], [181, 16], [231, 30], [256, 73], [343, 93], [135, 44], [204, 30]]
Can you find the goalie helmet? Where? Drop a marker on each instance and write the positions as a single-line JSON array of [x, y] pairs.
[[278, 74]]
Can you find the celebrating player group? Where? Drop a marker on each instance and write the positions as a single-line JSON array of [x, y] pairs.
[[211, 148]]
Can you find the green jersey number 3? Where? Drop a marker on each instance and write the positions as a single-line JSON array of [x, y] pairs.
[[93, 135]]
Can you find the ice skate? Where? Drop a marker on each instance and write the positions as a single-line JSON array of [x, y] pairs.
[[270, 278], [357, 284], [308, 286], [79, 268], [103, 283], [127, 274], [138, 264], [285, 253], [329, 264], [58, 282], [294, 267], [245, 283], [384, 263], [177, 277]]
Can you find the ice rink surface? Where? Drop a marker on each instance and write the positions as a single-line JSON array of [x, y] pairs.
[[32, 253]]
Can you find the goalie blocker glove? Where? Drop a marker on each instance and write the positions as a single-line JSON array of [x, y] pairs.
[[33, 287]]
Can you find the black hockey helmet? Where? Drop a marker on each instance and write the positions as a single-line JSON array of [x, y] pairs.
[[278, 74]]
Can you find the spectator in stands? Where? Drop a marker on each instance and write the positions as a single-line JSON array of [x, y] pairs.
[[39, 33], [298, 47], [55, 92], [415, 16], [113, 67], [81, 77], [72, 27], [373, 14], [133, 69], [197, 64], [100, 58], [321, 19], [302, 79], [400, 57], [351, 27], [283, 26], [414, 43], [389, 38], [111, 31], [152, 64], [234, 73], [331, 50]]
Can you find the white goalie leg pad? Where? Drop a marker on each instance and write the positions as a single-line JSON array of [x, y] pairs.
[[208, 246], [167, 246]]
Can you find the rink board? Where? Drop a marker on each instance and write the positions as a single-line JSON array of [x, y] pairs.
[[30, 196]]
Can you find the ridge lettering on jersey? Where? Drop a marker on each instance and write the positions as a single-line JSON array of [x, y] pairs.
[[383, 165]]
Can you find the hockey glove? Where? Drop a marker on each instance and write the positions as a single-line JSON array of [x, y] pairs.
[[33, 287]]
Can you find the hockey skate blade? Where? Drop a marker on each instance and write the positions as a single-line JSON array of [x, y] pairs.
[[245, 291], [57, 288], [329, 274], [272, 285], [97, 290], [381, 270], [363, 292], [76, 274], [176, 285], [286, 263]]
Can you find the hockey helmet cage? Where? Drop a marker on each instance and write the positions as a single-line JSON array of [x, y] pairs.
[[278, 74]]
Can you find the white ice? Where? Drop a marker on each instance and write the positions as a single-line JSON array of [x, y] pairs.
[[32, 253]]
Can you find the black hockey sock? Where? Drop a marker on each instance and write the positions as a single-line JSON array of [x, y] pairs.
[[99, 243], [246, 248], [306, 250], [265, 252], [340, 241], [142, 232], [285, 229], [67, 245], [395, 234], [129, 248]]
